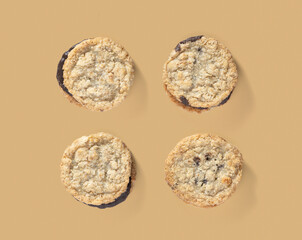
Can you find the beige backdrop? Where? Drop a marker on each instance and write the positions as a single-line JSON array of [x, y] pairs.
[[263, 118]]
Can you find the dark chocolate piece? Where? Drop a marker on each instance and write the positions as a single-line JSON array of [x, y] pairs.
[[220, 166], [204, 181], [190, 39], [208, 156], [200, 108], [184, 101], [60, 77], [196, 160]]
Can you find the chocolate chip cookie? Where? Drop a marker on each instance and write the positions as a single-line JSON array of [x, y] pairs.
[[96, 73], [200, 74], [98, 170], [204, 170]]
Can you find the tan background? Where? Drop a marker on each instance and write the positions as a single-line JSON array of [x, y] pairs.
[[263, 118]]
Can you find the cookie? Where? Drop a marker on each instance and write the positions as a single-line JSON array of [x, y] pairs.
[[203, 170], [200, 74], [98, 170], [96, 73]]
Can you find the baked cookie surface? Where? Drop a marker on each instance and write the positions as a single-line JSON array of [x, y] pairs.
[[96, 73], [200, 74], [203, 170], [97, 170]]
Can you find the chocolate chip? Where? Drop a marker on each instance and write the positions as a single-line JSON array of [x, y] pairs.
[[184, 101], [204, 181], [220, 166], [199, 49], [190, 39], [196, 181], [196, 160], [177, 48], [208, 156]]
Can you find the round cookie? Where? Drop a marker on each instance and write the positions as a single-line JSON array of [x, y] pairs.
[[98, 170], [96, 73], [203, 170], [200, 74]]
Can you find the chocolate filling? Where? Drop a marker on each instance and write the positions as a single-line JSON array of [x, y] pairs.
[[190, 39], [60, 77], [185, 102], [226, 99], [117, 201]]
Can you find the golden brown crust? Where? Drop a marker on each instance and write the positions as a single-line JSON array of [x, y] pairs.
[[204, 170]]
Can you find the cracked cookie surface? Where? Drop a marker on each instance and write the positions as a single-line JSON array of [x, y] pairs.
[[200, 73], [98, 73], [203, 170], [96, 169]]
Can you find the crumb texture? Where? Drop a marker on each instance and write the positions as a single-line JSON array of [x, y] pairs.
[[98, 73], [204, 170], [95, 169], [202, 71]]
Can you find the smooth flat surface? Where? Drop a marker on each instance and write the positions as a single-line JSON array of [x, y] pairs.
[[262, 118]]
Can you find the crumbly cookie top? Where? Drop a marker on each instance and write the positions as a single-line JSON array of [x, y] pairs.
[[95, 169], [204, 170], [201, 72], [98, 73]]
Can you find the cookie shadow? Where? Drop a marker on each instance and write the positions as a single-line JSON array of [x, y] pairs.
[[136, 196], [246, 199], [138, 95], [242, 102]]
